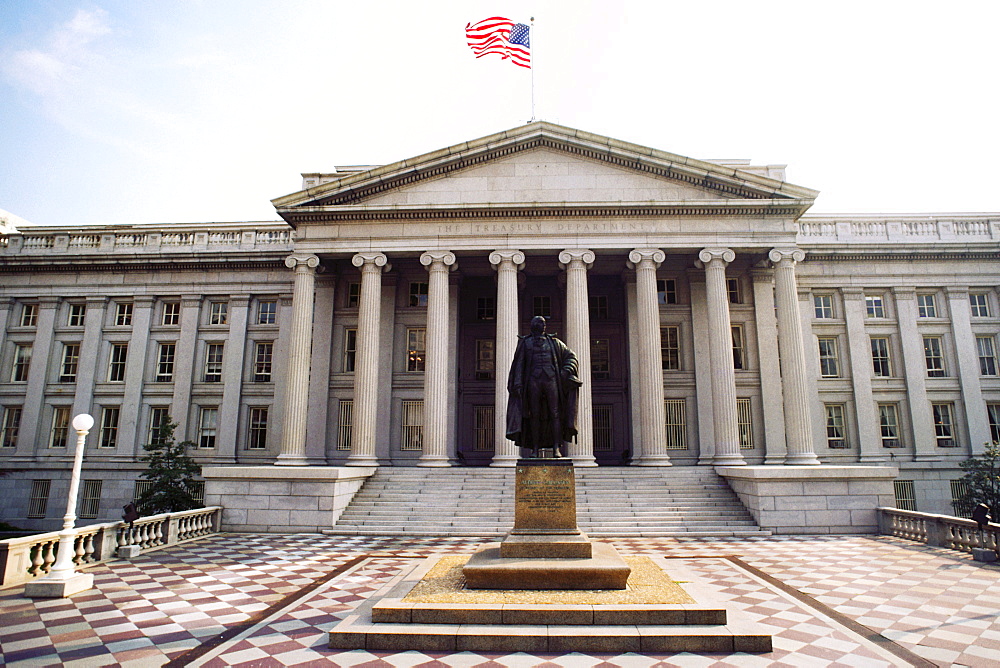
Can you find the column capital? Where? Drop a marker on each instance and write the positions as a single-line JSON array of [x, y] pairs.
[[144, 301], [785, 255], [48, 302], [904, 292], [852, 292], [445, 258], [6, 302], [639, 255], [191, 301], [719, 255], [956, 291], [515, 257], [378, 260], [96, 300], [237, 301], [576, 255], [305, 261]]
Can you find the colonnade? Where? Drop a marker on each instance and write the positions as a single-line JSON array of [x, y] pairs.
[[652, 448]]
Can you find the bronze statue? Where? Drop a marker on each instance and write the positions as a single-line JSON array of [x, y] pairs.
[[542, 392]]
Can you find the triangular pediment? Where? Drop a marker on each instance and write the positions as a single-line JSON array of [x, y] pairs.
[[543, 165]]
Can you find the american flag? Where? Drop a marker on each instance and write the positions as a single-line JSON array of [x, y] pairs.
[[501, 36]]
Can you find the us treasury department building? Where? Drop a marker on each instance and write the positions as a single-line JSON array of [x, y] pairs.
[[717, 324]]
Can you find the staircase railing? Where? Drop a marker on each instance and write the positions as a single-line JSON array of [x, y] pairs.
[[956, 533]]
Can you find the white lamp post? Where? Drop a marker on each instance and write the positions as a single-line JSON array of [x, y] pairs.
[[63, 580]]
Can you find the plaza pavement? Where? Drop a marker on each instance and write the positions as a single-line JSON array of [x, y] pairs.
[[269, 600]]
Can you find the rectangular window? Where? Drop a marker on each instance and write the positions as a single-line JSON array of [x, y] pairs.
[[257, 428], [486, 308], [979, 304], [959, 488], [413, 425], [987, 355], [77, 314], [603, 433], [39, 499], [874, 306], [676, 416], [888, 420], [59, 435], [739, 347], [485, 359], [158, 416], [29, 315], [666, 291], [944, 425], [207, 425], [418, 294], [140, 488], [350, 349], [416, 349], [263, 354], [906, 498], [823, 306], [993, 413], [541, 305], [485, 426], [109, 426], [218, 313], [600, 359], [670, 348], [213, 362], [171, 314], [880, 357], [744, 420], [733, 289], [116, 362], [165, 363], [344, 424], [90, 499], [829, 362], [933, 357], [267, 312], [598, 307], [22, 361], [123, 314], [10, 427], [926, 306], [70, 363], [836, 434], [353, 295]]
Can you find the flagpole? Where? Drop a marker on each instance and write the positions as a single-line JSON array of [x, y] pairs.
[[531, 38]]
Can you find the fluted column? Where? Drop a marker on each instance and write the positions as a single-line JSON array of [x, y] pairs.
[[293, 435], [576, 262], [652, 419], [795, 390], [436, 394], [720, 341], [366, 388], [507, 263]]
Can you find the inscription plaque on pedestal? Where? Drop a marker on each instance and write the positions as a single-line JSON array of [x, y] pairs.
[[545, 498]]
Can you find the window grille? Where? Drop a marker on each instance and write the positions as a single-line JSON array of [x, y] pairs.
[[418, 294], [11, 426], [670, 348], [906, 498], [676, 422], [836, 434], [744, 420], [116, 362], [959, 488], [60, 427], [257, 428], [345, 424], [141, 487], [109, 426], [413, 425], [416, 349], [603, 434], [600, 359], [880, 357], [39, 499], [944, 424], [485, 427], [888, 419], [485, 359], [90, 499]]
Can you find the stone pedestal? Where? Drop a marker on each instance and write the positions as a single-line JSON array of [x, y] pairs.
[[59, 587], [546, 549]]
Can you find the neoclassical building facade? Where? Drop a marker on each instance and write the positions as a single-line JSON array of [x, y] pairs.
[[717, 324]]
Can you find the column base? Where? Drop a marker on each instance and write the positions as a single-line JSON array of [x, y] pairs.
[[439, 461], [873, 459], [361, 460], [504, 460], [583, 460], [290, 460], [59, 587], [774, 461], [729, 460], [804, 459], [654, 460]]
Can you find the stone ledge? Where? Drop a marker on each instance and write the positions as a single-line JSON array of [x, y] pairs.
[[798, 473], [283, 473]]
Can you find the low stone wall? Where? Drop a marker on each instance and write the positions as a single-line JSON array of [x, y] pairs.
[[282, 499], [813, 499]]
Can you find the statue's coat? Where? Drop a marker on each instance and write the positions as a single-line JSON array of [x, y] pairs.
[[567, 381]]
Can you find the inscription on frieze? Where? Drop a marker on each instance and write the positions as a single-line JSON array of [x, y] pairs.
[[544, 498]]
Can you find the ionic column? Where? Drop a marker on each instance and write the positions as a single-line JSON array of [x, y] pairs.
[[436, 390], [720, 342], [795, 390], [366, 389], [576, 262], [652, 426], [507, 263], [293, 435], [770, 373]]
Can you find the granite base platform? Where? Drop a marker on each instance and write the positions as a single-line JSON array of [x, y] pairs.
[[603, 569], [523, 621]]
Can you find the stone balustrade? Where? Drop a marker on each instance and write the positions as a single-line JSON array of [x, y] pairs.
[[955, 533], [29, 557], [904, 229], [98, 241]]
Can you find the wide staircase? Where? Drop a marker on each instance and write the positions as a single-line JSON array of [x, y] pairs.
[[625, 501]]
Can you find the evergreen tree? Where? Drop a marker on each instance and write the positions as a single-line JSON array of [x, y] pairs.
[[982, 477], [172, 473]]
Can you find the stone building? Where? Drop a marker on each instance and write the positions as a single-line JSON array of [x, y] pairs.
[[717, 322]]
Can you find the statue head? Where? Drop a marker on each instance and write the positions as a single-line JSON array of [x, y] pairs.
[[537, 325]]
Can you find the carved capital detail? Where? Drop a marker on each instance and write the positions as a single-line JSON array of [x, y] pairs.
[[638, 255], [497, 257], [581, 255], [778, 255], [377, 260], [446, 258], [724, 255], [305, 261]]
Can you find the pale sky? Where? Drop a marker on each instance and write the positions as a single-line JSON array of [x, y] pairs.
[[179, 111]]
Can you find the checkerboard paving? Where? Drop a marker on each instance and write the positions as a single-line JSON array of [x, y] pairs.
[[269, 600]]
